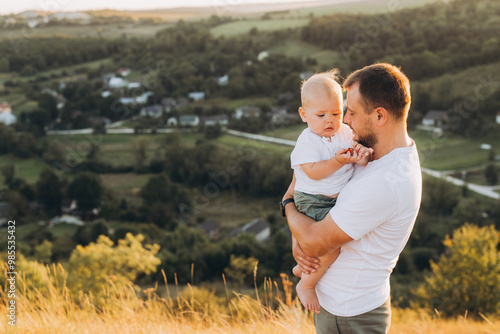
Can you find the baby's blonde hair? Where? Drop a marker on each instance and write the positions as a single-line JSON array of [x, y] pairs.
[[327, 82]]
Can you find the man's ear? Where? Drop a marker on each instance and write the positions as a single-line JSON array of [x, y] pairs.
[[381, 115], [302, 113]]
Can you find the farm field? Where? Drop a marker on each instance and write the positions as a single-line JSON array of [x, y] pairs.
[[242, 27], [95, 31]]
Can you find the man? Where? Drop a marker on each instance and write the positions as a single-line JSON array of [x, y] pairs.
[[375, 211]]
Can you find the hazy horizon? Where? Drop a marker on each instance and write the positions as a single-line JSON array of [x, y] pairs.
[[68, 5]]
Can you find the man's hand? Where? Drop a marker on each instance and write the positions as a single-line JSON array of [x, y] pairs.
[[306, 264], [355, 154]]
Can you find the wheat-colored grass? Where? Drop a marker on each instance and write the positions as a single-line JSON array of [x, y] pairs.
[[195, 310]]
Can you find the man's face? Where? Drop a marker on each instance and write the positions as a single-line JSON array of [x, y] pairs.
[[358, 120], [323, 114]]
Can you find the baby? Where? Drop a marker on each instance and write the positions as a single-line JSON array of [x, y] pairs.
[[323, 163]]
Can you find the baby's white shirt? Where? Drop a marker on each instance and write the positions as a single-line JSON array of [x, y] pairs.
[[313, 148]]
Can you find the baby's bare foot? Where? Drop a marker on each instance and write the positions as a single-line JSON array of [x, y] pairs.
[[308, 297], [296, 271]]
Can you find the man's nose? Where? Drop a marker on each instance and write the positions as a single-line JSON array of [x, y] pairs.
[[347, 119]]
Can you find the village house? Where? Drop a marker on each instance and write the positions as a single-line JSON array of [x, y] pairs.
[[258, 227], [216, 119], [262, 55], [143, 98], [155, 111], [123, 71], [246, 112], [196, 96], [498, 117], [223, 80], [435, 118], [168, 103], [133, 85], [189, 120], [127, 100], [116, 83]]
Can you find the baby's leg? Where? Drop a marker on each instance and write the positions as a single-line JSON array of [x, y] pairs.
[[306, 287]]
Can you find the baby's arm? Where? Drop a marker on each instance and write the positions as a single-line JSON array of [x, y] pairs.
[[324, 168], [321, 169]]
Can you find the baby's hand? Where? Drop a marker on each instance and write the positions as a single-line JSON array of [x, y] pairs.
[[346, 156]]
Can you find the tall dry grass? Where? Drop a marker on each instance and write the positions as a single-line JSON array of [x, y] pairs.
[[194, 310]]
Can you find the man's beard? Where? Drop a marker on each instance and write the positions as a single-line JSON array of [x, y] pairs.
[[368, 140]]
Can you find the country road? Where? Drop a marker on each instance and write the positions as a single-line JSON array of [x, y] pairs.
[[488, 191]]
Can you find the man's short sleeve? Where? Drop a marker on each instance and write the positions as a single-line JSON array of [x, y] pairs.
[[361, 207]]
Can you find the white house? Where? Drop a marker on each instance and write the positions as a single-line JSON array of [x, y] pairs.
[[123, 71], [498, 118], [189, 120], [106, 93], [247, 111], [116, 83], [155, 111], [127, 100], [196, 96], [223, 80], [435, 118], [216, 119], [133, 85], [262, 55], [143, 98]]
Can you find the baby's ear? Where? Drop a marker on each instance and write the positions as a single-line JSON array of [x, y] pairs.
[[302, 113]]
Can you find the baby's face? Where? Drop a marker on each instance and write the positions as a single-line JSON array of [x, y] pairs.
[[323, 114]]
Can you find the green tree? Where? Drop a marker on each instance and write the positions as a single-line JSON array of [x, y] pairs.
[[26, 146], [241, 269], [139, 149], [48, 103], [491, 174], [8, 139], [53, 151], [101, 267], [43, 252], [439, 196], [87, 190], [50, 193], [467, 276]]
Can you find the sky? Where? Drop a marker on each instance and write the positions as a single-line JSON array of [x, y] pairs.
[[18, 6]]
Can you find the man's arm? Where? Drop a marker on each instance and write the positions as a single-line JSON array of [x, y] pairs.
[[315, 238]]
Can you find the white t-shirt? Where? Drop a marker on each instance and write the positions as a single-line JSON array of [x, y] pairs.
[[313, 148], [377, 208]]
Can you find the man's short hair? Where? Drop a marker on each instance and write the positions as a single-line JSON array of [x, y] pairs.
[[382, 85]]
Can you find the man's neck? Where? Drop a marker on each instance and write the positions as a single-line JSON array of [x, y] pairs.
[[390, 140]]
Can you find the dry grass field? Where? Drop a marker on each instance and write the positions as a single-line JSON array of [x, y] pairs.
[[51, 309]]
